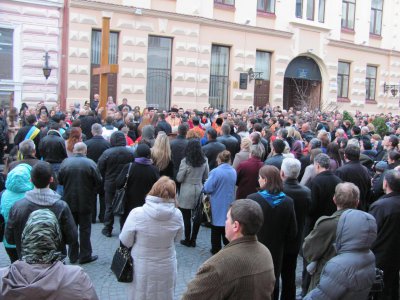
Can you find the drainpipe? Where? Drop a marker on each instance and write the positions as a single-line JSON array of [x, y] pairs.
[[64, 56]]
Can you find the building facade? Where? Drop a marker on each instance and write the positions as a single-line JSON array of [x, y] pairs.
[[237, 53], [29, 29]]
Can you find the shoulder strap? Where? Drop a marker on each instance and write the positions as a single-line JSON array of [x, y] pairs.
[[127, 176]]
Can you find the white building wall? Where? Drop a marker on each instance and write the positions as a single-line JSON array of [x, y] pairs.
[[36, 30]]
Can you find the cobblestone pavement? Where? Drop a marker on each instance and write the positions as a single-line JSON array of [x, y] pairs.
[[107, 287]]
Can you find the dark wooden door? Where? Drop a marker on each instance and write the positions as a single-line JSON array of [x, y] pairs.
[[261, 93]]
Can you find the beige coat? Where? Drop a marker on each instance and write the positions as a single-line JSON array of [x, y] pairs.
[[242, 270], [51, 282]]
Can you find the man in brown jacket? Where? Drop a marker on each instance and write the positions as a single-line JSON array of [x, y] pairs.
[[244, 268]]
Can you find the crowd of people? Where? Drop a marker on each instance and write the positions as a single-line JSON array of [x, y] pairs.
[[280, 183]]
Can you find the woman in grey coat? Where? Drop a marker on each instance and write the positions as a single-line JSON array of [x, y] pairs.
[[193, 171], [351, 273]]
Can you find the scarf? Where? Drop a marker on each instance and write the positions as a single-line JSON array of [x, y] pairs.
[[41, 238], [143, 161], [272, 199]]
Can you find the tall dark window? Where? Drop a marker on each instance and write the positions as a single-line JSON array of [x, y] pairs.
[[267, 6], [299, 9], [219, 76], [375, 26], [310, 9], [370, 83], [158, 90], [96, 48], [6, 53], [343, 80], [348, 12], [226, 2], [321, 11], [96, 60]]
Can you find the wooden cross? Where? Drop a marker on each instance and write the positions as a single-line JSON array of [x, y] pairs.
[[105, 68]]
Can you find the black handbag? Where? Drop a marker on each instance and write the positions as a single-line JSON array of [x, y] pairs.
[[118, 204], [122, 265]]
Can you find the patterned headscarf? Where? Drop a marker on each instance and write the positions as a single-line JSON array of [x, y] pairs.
[[41, 238]]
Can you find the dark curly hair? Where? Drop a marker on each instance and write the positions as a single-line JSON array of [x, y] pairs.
[[194, 154]]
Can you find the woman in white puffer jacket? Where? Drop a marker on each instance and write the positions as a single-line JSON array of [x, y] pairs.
[[152, 231]]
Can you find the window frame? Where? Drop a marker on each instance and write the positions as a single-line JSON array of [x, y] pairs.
[[321, 20], [312, 17], [368, 81], [348, 3], [301, 9], [266, 2], [340, 94], [373, 18], [223, 3], [12, 70]]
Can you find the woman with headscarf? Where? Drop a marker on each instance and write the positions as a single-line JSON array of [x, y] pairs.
[[17, 184], [152, 231], [41, 274]]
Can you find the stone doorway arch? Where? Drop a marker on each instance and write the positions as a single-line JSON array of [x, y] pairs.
[[302, 84]]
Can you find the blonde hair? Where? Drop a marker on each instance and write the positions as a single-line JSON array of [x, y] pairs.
[[161, 151], [193, 134], [164, 188], [246, 144]]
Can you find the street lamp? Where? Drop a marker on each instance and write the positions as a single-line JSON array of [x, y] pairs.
[[46, 67]]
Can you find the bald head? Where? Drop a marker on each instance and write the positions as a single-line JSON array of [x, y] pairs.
[[80, 148]]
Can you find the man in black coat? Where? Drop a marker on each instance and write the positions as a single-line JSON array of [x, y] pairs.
[[231, 143], [53, 150], [386, 248], [110, 164], [87, 120], [178, 147], [212, 148], [322, 191], [52, 147], [95, 148], [301, 196], [29, 131], [81, 178], [353, 171]]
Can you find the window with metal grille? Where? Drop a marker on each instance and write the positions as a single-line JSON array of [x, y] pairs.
[[219, 76], [159, 55]]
